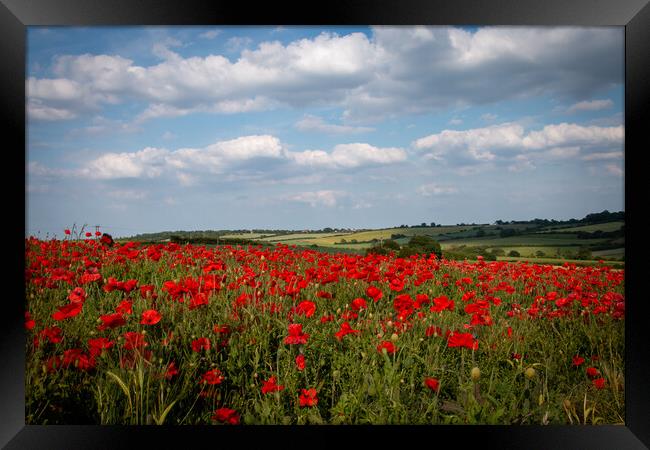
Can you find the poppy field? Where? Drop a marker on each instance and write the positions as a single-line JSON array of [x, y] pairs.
[[126, 333]]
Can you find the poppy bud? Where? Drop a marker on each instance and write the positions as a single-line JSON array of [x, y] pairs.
[[394, 337], [530, 373], [476, 374]]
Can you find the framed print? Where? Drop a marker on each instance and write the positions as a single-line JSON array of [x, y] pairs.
[[378, 219]]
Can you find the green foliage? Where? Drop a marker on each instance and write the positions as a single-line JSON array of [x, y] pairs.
[[584, 253], [470, 253], [514, 253], [408, 251], [425, 244], [390, 244], [384, 248]]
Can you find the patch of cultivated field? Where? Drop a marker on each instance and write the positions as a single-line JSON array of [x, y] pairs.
[[300, 236], [607, 226], [530, 251], [614, 252], [246, 236], [542, 240]]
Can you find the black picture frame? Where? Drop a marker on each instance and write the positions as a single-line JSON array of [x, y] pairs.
[[634, 15]]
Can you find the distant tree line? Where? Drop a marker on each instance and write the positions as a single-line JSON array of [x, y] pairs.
[[599, 234], [593, 218]]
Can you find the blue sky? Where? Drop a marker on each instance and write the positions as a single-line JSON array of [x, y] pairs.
[[144, 129]]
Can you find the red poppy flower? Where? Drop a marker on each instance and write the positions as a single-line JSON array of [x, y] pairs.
[[388, 346], [53, 334], [212, 377], [148, 290], [150, 317], [442, 303], [125, 307], [67, 311], [396, 284], [599, 383], [462, 340], [358, 304], [88, 234], [592, 372], [133, 340], [111, 321], [87, 278], [201, 344], [308, 398], [53, 363], [374, 293], [172, 370], [578, 360], [129, 285], [296, 336], [221, 329], [226, 415], [75, 357], [29, 322], [326, 319], [432, 383], [300, 362], [66, 231], [78, 295], [98, 233], [433, 331], [345, 329], [403, 305], [306, 308], [70, 356], [107, 240], [198, 300], [97, 346], [270, 385]]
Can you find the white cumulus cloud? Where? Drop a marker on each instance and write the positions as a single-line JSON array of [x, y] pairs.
[[349, 156]]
